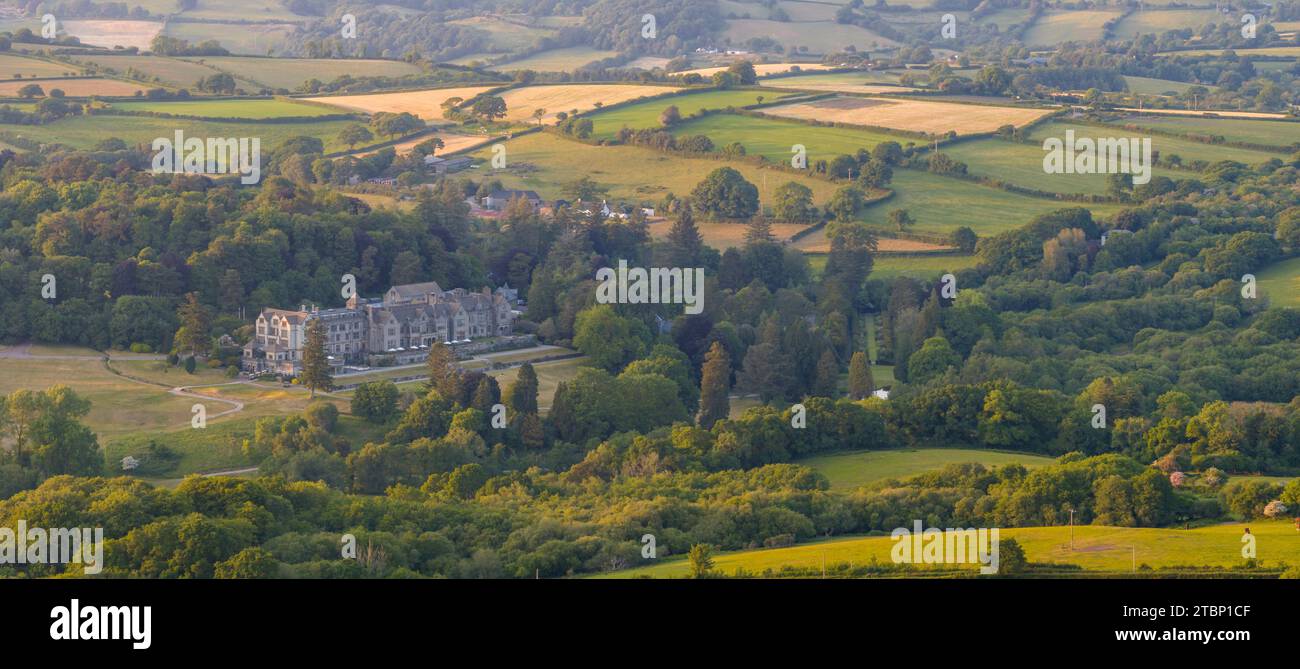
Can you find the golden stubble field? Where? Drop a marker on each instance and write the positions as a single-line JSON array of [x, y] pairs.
[[935, 118], [426, 104], [74, 87], [522, 102]]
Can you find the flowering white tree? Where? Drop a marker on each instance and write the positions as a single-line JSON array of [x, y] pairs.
[[1177, 478], [1275, 509]]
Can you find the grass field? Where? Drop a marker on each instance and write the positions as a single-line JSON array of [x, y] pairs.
[[113, 32], [926, 266], [775, 138], [847, 471], [724, 235], [557, 60], [549, 376], [1288, 51], [912, 115], [276, 108], [761, 69], [1166, 146], [253, 39], [292, 72], [86, 131], [522, 102], [1276, 133], [941, 204], [239, 10], [426, 104], [1095, 548], [119, 406], [1022, 164], [1055, 27], [646, 114], [841, 82], [81, 87], [545, 163], [1005, 18], [1149, 86], [506, 35], [11, 66], [1280, 283], [818, 36], [1156, 22], [169, 71], [819, 243]]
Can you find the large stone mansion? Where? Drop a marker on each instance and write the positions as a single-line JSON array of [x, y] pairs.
[[397, 328]]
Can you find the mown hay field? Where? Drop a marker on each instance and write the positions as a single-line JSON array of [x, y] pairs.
[[522, 102], [427, 104], [934, 118], [81, 87]]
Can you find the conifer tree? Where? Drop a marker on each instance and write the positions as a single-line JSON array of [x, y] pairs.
[[315, 365], [860, 382], [715, 386]]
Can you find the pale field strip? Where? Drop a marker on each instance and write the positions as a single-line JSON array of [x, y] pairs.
[[818, 242], [842, 87], [763, 69], [935, 118], [111, 33], [1226, 113], [74, 87], [521, 102], [427, 104], [452, 144]]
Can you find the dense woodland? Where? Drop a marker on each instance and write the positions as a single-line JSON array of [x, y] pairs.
[[1194, 375]]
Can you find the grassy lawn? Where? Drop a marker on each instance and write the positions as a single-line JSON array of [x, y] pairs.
[[1022, 165], [1095, 548], [847, 471], [1273, 133], [646, 114], [159, 372], [1280, 283], [774, 138], [276, 108], [549, 376], [941, 204], [1166, 146], [545, 163], [557, 60], [118, 406], [84, 132]]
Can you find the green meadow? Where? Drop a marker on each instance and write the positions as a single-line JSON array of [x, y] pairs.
[[84, 132], [941, 204], [1095, 547], [292, 72], [646, 114], [1269, 133], [557, 60], [847, 471], [774, 139], [1055, 27], [545, 163], [1149, 86], [1166, 146], [1022, 165], [1280, 283]]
